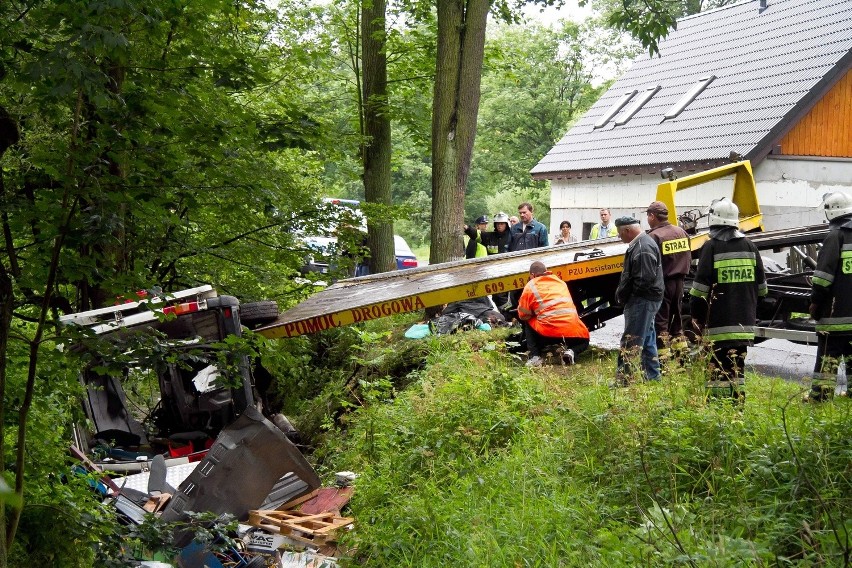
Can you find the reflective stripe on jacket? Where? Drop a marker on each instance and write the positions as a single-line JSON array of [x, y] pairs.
[[728, 283], [674, 246], [832, 279], [475, 248], [547, 306]]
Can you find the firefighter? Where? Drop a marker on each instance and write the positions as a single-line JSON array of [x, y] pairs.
[[475, 248], [831, 301], [728, 282], [677, 258]]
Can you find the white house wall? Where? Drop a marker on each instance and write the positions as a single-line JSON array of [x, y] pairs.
[[789, 192]]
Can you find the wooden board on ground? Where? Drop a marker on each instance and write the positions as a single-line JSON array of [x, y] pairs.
[[327, 500]]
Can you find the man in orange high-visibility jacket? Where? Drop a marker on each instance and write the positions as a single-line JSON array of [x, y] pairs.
[[550, 317]]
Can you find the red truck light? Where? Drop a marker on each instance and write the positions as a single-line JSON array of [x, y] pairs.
[[181, 308], [409, 263]]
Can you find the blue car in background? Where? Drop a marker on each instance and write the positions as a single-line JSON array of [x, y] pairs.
[[322, 254], [404, 257]]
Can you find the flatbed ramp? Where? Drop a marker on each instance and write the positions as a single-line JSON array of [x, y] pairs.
[[372, 297]]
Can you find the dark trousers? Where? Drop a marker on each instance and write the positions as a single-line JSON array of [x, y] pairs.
[[668, 323], [728, 362], [536, 342], [831, 350]]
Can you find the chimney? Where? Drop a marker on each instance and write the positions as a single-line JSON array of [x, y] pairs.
[[763, 5]]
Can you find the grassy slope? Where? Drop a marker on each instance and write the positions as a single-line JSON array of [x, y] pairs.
[[473, 460]]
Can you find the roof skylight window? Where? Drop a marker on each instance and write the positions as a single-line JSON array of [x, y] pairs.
[[613, 110], [637, 104], [690, 96]]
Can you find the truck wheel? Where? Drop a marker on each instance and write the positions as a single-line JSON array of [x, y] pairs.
[[801, 324], [265, 311]]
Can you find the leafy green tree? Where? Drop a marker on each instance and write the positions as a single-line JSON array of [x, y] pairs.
[[143, 142], [537, 81], [650, 20]]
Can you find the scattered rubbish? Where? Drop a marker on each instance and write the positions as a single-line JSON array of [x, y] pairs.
[[249, 457], [344, 478], [205, 447]]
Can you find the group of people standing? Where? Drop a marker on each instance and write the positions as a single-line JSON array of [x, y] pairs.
[[728, 283], [508, 235]]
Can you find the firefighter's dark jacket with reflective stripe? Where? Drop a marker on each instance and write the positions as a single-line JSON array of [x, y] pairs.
[[728, 283], [832, 280], [494, 242], [641, 275], [547, 306], [674, 244]]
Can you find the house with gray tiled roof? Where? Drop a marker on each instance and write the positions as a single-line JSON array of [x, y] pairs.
[[768, 80]]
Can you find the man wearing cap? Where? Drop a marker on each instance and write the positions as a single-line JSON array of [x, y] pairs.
[[676, 258], [496, 241], [475, 248], [550, 317], [640, 291]]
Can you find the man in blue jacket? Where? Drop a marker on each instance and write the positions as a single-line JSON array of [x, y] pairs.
[[527, 233]]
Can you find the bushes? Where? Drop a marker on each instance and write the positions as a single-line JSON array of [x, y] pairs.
[[482, 462]]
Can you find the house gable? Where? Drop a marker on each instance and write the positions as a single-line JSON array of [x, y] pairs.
[[827, 129], [764, 70]]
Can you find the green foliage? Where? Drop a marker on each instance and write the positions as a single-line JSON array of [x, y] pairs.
[[480, 461], [649, 21]]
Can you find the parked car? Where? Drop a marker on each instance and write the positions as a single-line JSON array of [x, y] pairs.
[[320, 254], [324, 257], [404, 257]]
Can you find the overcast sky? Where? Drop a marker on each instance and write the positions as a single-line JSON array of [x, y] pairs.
[[550, 14]]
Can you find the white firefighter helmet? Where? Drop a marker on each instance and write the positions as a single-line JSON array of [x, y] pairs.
[[501, 218], [724, 212], [836, 204]]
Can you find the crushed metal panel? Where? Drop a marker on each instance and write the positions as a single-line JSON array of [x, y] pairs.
[[285, 490], [245, 463]]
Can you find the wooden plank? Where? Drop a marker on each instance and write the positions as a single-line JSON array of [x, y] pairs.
[[327, 499], [292, 504]]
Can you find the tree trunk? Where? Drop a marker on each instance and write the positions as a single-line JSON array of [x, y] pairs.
[[377, 135], [9, 135], [461, 45]]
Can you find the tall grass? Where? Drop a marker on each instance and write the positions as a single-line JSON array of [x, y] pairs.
[[482, 462]]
